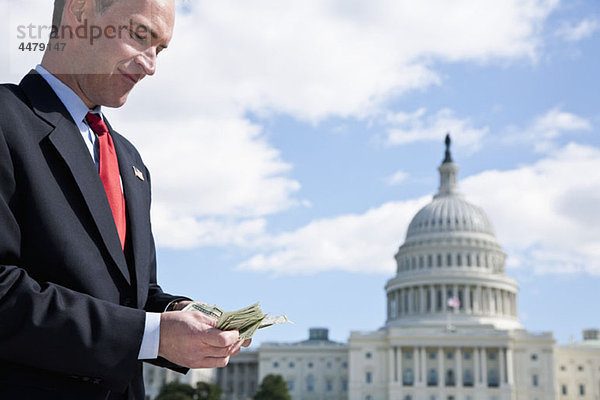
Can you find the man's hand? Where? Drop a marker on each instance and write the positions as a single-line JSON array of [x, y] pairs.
[[191, 340]]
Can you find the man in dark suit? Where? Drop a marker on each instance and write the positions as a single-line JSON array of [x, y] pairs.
[[79, 303]]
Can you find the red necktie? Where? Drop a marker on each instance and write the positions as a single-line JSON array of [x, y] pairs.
[[109, 173]]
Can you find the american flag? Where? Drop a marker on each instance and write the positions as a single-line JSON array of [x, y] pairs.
[[453, 302]]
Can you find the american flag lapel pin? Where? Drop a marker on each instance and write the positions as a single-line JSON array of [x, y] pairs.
[[138, 173]]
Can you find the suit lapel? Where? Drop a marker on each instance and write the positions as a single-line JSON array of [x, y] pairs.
[[67, 140], [136, 192]]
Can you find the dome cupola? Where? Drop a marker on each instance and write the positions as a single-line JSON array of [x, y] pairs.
[[451, 263]]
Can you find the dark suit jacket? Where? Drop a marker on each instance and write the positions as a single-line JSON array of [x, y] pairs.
[[71, 301]]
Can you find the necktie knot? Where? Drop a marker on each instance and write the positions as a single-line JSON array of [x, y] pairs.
[[96, 123]]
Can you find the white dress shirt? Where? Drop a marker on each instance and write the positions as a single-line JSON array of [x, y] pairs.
[[78, 110]]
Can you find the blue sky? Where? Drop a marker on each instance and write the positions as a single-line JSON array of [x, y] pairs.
[[303, 137]]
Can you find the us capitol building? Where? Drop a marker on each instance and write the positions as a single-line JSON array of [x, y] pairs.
[[452, 331]]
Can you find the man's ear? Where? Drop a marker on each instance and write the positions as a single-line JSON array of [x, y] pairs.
[[77, 8]]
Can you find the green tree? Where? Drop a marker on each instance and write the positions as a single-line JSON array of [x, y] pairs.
[[207, 391], [273, 387], [176, 391]]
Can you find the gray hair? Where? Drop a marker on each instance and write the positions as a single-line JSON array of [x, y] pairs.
[[59, 5]]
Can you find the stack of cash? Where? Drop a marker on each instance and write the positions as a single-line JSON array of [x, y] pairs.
[[246, 321]]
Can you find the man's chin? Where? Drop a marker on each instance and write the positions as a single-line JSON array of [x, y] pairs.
[[116, 103]]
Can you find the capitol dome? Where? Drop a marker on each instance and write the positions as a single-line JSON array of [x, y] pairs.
[[451, 265]]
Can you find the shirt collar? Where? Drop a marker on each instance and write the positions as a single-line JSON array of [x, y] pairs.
[[72, 102]]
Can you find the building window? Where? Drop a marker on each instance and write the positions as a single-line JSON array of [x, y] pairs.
[[368, 397], [459, 260], [368, 355], [449, 355], [467, 356], [432, 377], [492, 356], [534, 357], [291, 364], [432, 356], [439, 260], [310, 365], [468, 260], [329, 364], [468, 378], [493, 378], [563, 368], [432, 397], [408, 356], [345, 385], [368, 377], [408, 377], [421, 262], [580, 368], [430, 261], [563, 389], [329, 385], [345, 364], [582, 390], [408, 397], [534, 380], [275, 364], [450, 378], [449, 260], [310, 383], [290, 385]]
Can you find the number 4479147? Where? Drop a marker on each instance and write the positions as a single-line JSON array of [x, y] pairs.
[[34, 46]]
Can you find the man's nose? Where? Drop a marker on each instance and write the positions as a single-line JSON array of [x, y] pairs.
[[147, 60]]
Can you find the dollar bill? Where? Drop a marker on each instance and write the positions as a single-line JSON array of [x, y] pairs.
[[246, 320]]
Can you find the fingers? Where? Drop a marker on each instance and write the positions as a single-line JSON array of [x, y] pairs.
[[218, 338]]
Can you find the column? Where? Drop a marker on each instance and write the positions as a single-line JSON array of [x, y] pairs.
[[467, 298], [491, 301], [483, 366], [399, 365], [514, 304], [410, 300], [455, 294], [476, 300], [441, 374], [509, 367], [393, 372], [432, 299], [416, 366], [422, 299], [476, 374], [401, 302], [424, 365], [501, 355], [247, 379], [499, 293], [444, 299], [459, 373]]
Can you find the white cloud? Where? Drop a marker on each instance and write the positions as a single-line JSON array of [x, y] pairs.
[[310, 60], [363, 243], [396, 178], [213, 179], [316, 58], [574, 32], [421, 127], [545, 129], [545, 214]]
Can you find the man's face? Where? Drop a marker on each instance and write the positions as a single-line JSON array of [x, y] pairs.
[[107, 70]]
